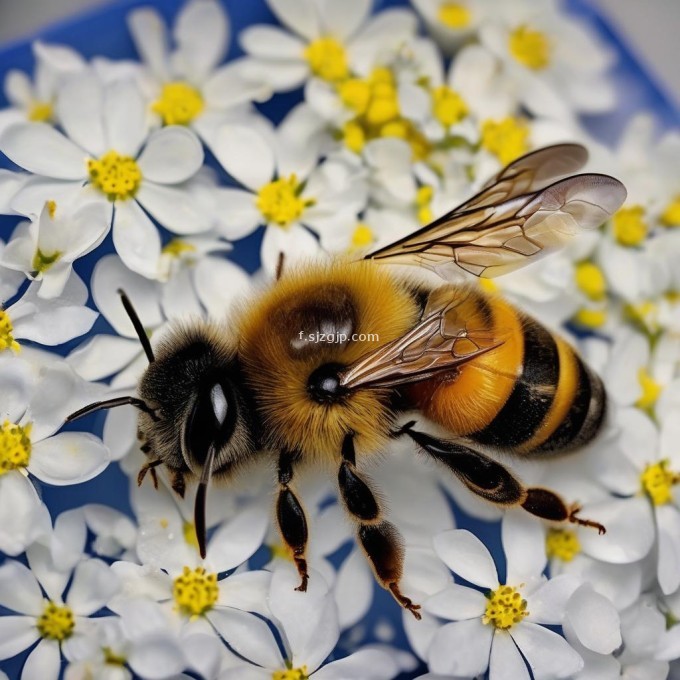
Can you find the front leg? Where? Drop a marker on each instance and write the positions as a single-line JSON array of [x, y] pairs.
[[494, 482], [291, 519], [380, 539]]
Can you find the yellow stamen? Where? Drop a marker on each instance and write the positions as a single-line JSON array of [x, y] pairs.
[[671, 215], [179, 104], [353, 136], [7, 340], [562, 544], [195, 591], [113, 659], [507, 138], [590, 318], [43, 261], [189, 533], [362, 237], [117, 177], [56, 622], [448, 106], [505, 608], [530, 47], [280, 201], [177, 247], [51, 208], [454, 15], [355, 94], [423, 201], [651, 390], [15, 446], [591, 281], [630, 228], [657, 482], [291, 674], [327, 59], [41, 112]]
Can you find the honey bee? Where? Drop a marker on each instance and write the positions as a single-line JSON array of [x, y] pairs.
[[214, 397]]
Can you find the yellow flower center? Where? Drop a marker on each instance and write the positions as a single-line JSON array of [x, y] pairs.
[[591, 281], [177, 248], [630, 228], [195, 591], [562, 544], [117, 177], [189, 533], [505, 608], [355, 94], [7, 340], [40, 112], [178, 104], [651, 390], [423, 201], [506, 138], [590, 318], [454, 15], [530, 47], [362, 237], [327, 58], [15, 446], [280, 201], [671, 215], [448, 106], [56, 622], [291, 674], [353, 136], [658, 481]]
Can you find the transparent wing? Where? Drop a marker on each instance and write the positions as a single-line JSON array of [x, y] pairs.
[[439, 341], [511, 222]]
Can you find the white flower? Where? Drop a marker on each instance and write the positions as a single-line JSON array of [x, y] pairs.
[[46, 247], [109, 156], [56, 623], [287, 193], [330, 41], [47, 322], [186, 86], [308, 626], [115, 533], [34, 101], [503, 630]]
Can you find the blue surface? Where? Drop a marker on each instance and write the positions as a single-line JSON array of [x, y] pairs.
[[103, 32]]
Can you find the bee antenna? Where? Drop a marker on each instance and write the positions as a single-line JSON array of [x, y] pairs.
[[201, 496], [139, 329], [112, 403]]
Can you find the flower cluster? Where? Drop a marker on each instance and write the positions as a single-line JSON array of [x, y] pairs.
[[154, 169]]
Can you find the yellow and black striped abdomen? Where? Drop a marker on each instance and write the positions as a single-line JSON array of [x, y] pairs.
[[531, 396]]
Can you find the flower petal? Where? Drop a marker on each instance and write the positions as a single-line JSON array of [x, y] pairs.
[[44, 661], [174, 207], [171, 155], [125, 117], [547, 603], [467, 556], [17, 381], [68, 458], [296, 243], [19, 590], [367, 664], [300, 16], [342, 19], [237, 540], [594, 620], [461, 649], [94, 584], [157, 656], [23, 518], [16, 634], [80, 107], [353, 590], [524, 546], [245, 154], [668, 568], [103, 355], [246, 591], [238, 215], [270, 42], [39, 148], [456, 603], [506, 663], [149, 36], [136, 239], [548, 654], [219, 284]]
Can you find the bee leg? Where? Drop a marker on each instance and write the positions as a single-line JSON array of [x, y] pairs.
[[494, 482], [149, 467], [178, 483], [380, 539], [291, 518]]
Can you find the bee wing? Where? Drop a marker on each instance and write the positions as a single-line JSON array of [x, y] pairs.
[[503, 227], [439, 341]]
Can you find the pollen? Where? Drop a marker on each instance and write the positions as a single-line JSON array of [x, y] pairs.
[[590, 318], [189, 533], [56, 622], [591, 281], [51, 208], [505, 608], [651, 390], [671, 214], [327, 59], [630, 228], [7, 340], [280, 201], [15, 446], [177, 247], [41, 112], [423, 201], [195, 591], [507, 139], [454, 15], [530, 47], [658, 481], [299, 673], [362, 237], [562, 544], [179, 103], [117, 177], [448, 107]]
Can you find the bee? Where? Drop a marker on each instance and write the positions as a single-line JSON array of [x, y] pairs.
[[214, 397]]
